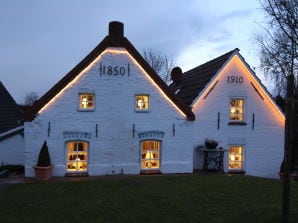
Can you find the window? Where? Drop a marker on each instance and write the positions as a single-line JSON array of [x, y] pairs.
[[86, 102], [77, 156], [236, 158], [150, 154], [142, 102], [236, 109]]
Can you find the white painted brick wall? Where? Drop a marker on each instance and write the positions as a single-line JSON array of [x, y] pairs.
[[264, 145], [114, 150], [12, 150]]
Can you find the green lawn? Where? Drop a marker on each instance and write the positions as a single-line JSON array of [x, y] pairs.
[[165, 198]]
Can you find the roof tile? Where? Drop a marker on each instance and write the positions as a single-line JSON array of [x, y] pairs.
[[194, 81]]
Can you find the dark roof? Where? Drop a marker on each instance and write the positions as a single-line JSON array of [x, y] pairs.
[[192, 82], [10, 112], [114, 39]]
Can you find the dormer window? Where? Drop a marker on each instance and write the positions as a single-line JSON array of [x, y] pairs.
[[142, 103], [86, 102]]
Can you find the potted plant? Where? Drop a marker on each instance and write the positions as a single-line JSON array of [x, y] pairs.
[[43, 168], [211, 144]]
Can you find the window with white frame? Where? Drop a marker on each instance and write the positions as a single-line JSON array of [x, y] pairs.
[[150, 154], [236, 109], [236, 158], [77, 156], [86, 101], [142, 102]]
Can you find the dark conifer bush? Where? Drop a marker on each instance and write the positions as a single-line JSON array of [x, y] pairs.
[[44, 156]]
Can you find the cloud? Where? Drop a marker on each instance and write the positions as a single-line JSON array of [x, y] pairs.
[[43, 40], [236, 14]]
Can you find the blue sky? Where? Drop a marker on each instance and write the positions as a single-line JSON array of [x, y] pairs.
[[42, 40]]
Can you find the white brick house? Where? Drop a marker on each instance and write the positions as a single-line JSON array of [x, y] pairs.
[[233, 107], [112, 114]]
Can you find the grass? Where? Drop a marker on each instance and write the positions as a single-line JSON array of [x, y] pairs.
[[167, 198]]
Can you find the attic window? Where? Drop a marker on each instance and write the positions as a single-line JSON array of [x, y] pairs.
[[142, 103], [86, 102], [236, 109]]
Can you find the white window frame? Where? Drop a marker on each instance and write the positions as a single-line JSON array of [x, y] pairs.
[[76, 160], [243, 109], [80, 102], [146, 103], [242, 159], [151, 159]]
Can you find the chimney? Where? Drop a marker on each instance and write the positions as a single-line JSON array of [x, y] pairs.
[[116, 30], [176, 74]]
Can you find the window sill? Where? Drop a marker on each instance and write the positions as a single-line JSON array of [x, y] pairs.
[[242, 172], [86, 110], [142, 111], [76, 174], [150, 172], [237, 123]]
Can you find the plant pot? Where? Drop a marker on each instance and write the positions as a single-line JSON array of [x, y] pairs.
[[43, 173], [211, 144]]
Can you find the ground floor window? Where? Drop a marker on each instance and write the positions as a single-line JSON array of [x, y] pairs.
[[150, 154], [77, 156], [236, 158]]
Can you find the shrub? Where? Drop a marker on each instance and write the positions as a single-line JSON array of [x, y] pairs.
[[44, 156]]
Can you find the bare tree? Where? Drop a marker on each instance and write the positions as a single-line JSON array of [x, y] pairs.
[[278, 42], [278, 50], [30, 98], [161, 63]]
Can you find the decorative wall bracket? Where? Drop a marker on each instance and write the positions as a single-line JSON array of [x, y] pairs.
[[76, 134], [151, 134]]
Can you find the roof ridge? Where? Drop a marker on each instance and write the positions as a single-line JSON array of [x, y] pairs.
[[195, 80], [114, 39], [214, 59]]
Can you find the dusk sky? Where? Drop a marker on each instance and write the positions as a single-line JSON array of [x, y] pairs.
[[42, 40]]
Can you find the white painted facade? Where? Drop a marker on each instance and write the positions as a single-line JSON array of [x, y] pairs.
[[112, 130], [262, 137], [12, 149]]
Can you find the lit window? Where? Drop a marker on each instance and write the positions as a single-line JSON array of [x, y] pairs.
[[150, 154], [236, 109], [142, 102], [236, 158], [86, 101], [77, 156]]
